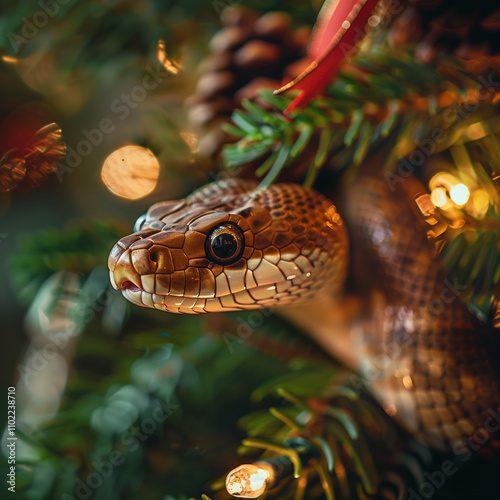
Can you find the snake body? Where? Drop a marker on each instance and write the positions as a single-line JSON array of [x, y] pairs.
[[232, 246], [429, 366]]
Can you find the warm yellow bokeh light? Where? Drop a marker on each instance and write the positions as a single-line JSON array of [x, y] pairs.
[[191, 140], [438, 197], [131, 172], [390, 408], [459, 194], [476, 131], [480, 203], [169, 64], [10, 59], [408, 382]]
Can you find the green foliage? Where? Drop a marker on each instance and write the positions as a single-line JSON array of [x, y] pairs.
[[368, 105], [470, 244], [116, 34], [162, 395], [161, 400], [341, 430], [383, 98], [79, 248], [473, 257]]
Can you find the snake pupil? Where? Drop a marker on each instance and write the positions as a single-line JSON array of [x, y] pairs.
[[224, 245]]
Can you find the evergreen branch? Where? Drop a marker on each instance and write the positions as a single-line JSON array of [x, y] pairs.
[[467, 234], [294, 427], [332, 420], [323, 446], [473, 258], [79, 248], [292, 398], [326, 481], [278, 449], [379, 97]]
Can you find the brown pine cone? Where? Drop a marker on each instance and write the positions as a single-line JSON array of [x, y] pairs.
[[468, 30], [29, 148], [249, 54]]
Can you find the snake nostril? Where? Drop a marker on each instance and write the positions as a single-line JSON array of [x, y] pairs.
[[160, 259]]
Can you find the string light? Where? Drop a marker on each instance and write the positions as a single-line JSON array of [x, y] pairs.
[[250, 480], [459, 194], [450, 195], [438, 197], [448, 192]]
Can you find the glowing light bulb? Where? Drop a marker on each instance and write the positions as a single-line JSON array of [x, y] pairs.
[[438, 197], [459, 194], [249, 480]]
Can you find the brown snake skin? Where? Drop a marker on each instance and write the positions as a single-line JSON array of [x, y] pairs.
[[293, 243], [418, 351], [425, 362]]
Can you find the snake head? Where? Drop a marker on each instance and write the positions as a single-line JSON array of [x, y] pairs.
[[231, 246]]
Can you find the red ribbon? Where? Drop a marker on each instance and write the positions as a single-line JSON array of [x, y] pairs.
[[338, 30]]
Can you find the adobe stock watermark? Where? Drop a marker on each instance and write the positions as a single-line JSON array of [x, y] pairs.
[[31, 26], [130, 440], [454, 116], [463, 451], [120, 108]]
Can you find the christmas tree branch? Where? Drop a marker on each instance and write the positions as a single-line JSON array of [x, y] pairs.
[[375, 97]]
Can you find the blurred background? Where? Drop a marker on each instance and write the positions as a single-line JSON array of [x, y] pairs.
[[106, 108], [77, 64], [86, 79]]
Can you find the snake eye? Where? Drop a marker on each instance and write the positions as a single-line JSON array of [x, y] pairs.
[[225, 244], [139, 222]]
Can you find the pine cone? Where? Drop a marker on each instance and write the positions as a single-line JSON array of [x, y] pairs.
[[27, 149], [250, 53], [468, 30]]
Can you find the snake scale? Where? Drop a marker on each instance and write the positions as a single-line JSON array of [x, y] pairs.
[[232, 246]]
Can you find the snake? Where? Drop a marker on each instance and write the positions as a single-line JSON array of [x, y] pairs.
[[233, 246]]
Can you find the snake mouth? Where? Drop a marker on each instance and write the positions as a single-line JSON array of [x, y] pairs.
[[125, 283], [128, 285]]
